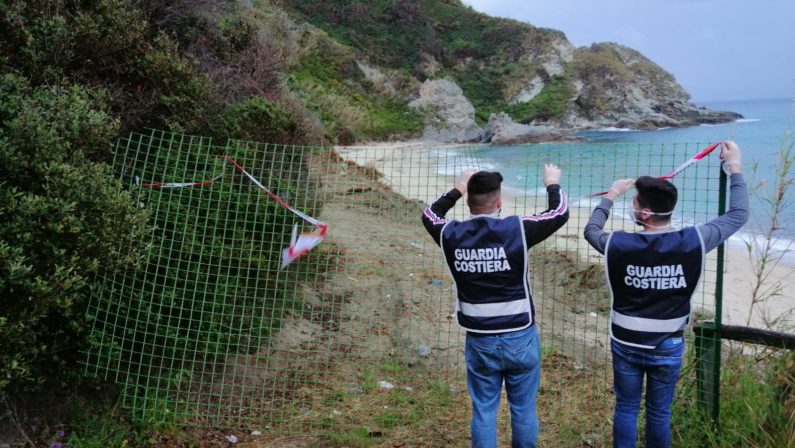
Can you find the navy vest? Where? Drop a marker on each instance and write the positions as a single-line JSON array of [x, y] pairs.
[[652, 277], [488, 260]]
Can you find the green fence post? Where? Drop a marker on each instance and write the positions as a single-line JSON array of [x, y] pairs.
[[705, 365], [708, 335], [716, 340]]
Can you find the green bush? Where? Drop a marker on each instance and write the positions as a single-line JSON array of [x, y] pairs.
[[63, 216], [551, 102], [52, 39], [64, 123], [256, 119], [164, 90], [108, 43]]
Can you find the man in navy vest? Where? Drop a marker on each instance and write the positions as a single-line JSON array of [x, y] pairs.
[[487, 256], [652, 275]]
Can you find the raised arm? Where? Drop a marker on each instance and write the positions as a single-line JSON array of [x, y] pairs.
[[721, 228], [540, 226], [433, 217], [594, 233]]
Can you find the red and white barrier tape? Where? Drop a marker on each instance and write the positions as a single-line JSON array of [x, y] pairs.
[[299, 244], [703, 153], [306, 217], [177, 184]]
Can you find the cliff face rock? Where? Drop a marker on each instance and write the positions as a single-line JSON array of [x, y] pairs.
[[382, 82], [450, 117], [617, 86], [530, 91], [561, 54], [613, 86], [501, 130]]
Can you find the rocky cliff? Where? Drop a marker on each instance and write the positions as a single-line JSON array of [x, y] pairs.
[[467, 66], [450, 117], [617, 86]]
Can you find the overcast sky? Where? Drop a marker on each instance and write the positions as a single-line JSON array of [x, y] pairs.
[[716, 49]]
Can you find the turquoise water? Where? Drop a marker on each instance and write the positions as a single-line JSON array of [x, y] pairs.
[[760, 134], [608, 154]]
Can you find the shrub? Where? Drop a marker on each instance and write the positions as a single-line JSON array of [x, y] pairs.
[[757, 405], [257, 119], [63, 216], [170, 92], [108, 43], [551, 102]]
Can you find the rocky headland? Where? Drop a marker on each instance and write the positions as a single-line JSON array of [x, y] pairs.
[[631, 92]]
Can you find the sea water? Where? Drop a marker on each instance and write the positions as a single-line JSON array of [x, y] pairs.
[[760, 133]]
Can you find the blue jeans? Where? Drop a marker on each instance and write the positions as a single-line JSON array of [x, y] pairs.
[[661, 367], [512, 357]]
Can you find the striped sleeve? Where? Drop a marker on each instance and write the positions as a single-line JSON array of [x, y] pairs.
[[540, 226], [433, 217]]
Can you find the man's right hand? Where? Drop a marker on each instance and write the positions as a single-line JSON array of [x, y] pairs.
[[619, 187], [463, 180], [732, 156]]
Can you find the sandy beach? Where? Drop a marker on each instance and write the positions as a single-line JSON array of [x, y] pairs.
[[418, 170]]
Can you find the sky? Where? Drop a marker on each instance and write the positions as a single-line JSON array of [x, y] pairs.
[[716, 49]]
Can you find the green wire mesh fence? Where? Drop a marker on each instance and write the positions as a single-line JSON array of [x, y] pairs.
[[207, 330]]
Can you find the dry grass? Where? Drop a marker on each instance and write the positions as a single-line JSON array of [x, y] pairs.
[[575, 410]]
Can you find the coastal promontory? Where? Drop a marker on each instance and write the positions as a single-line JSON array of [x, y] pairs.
[[456, 67]]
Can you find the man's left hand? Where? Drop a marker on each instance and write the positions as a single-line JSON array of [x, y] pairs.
[[463, 180], [551, 174], [619, 187]]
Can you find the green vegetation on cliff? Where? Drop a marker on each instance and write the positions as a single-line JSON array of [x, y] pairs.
[[489, 58], [329, 81]]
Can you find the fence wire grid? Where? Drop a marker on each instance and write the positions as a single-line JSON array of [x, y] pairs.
[[208, 330]]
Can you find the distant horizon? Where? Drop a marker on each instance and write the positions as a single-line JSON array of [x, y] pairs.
[[740, 100]]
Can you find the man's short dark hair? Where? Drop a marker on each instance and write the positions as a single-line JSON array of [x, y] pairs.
[[655, 194], [483, 189], [484, 182]]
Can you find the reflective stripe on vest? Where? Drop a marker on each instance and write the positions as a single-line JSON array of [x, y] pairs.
[[495, 309], [487, 258], [652, 277]]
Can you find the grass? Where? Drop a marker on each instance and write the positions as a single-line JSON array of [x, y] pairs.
[[757, 405], [427, 409], [90, 416], [424, 408], [417, 409]]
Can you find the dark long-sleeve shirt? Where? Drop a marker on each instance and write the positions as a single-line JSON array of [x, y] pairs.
[[714, 232], [537, 227]]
